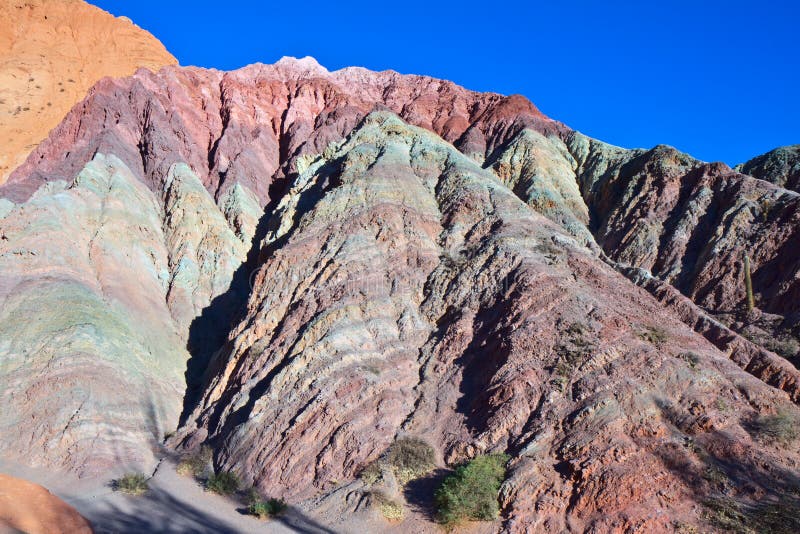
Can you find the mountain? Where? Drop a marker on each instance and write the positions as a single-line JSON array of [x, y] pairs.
[[49, 57], [780, 166], [299, 267]]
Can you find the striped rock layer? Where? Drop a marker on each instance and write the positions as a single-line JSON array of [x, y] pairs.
[[297, 267]]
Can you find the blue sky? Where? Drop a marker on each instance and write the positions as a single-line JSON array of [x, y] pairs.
[[717, 79]]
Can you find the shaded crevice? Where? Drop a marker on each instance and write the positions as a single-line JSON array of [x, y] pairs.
[[208, 332], [485, 355]]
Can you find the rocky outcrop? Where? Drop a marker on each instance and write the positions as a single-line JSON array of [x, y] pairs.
[[196, 155], [338, 259], [50, 54], [93, 286], [690, 224], [467, 319], [780, 167]]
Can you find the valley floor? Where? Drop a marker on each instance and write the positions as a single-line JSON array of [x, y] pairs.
[[173, 504], [179, 504]]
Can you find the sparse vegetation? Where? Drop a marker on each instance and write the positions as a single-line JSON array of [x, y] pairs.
[[408, 458], [725, 514], [684, 528], [132, 484], [372, 473], [748, 283], [196, 464], [224, 483], [786, 347], [655, 335], [471, 491], [572, 351], [691, 359], [578, 332], [264, 508], [390, 509], [716, 476], [777, 516], [782, 428], [411, 458]]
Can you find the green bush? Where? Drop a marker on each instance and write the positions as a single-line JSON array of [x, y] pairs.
[[411, 458], [264, 509], [195, 464], [655, 335], [225, 483], [132, 484], [471, 491]]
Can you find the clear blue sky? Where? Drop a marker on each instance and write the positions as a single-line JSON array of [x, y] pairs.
[[717, 79]]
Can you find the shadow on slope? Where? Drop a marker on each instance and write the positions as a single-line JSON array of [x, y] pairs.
[[156, 511], [208, 332], [420, 492], [739, 493]]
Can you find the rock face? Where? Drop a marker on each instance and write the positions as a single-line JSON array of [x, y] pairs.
[[51, 52], [691, 224], [345, 258], [780, 166], [100, 278]]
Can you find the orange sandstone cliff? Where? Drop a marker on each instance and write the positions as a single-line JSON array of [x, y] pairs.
[[51, 52]]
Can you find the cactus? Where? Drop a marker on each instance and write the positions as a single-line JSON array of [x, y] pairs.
[[748, 283]]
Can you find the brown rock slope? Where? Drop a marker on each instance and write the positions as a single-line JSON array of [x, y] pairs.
[[425, 261], [51, 52]]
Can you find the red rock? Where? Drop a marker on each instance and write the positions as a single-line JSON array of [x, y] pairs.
[[443, 264]]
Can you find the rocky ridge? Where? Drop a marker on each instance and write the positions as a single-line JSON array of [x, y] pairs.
[[344, 258], [780, 166]]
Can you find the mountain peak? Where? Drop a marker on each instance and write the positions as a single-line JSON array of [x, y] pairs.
[[306, 64]]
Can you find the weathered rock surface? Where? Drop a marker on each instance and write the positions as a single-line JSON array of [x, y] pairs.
[[51, 52], [94, 318], [780, 166], [469, 320], [354, 256], [691, 223]]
